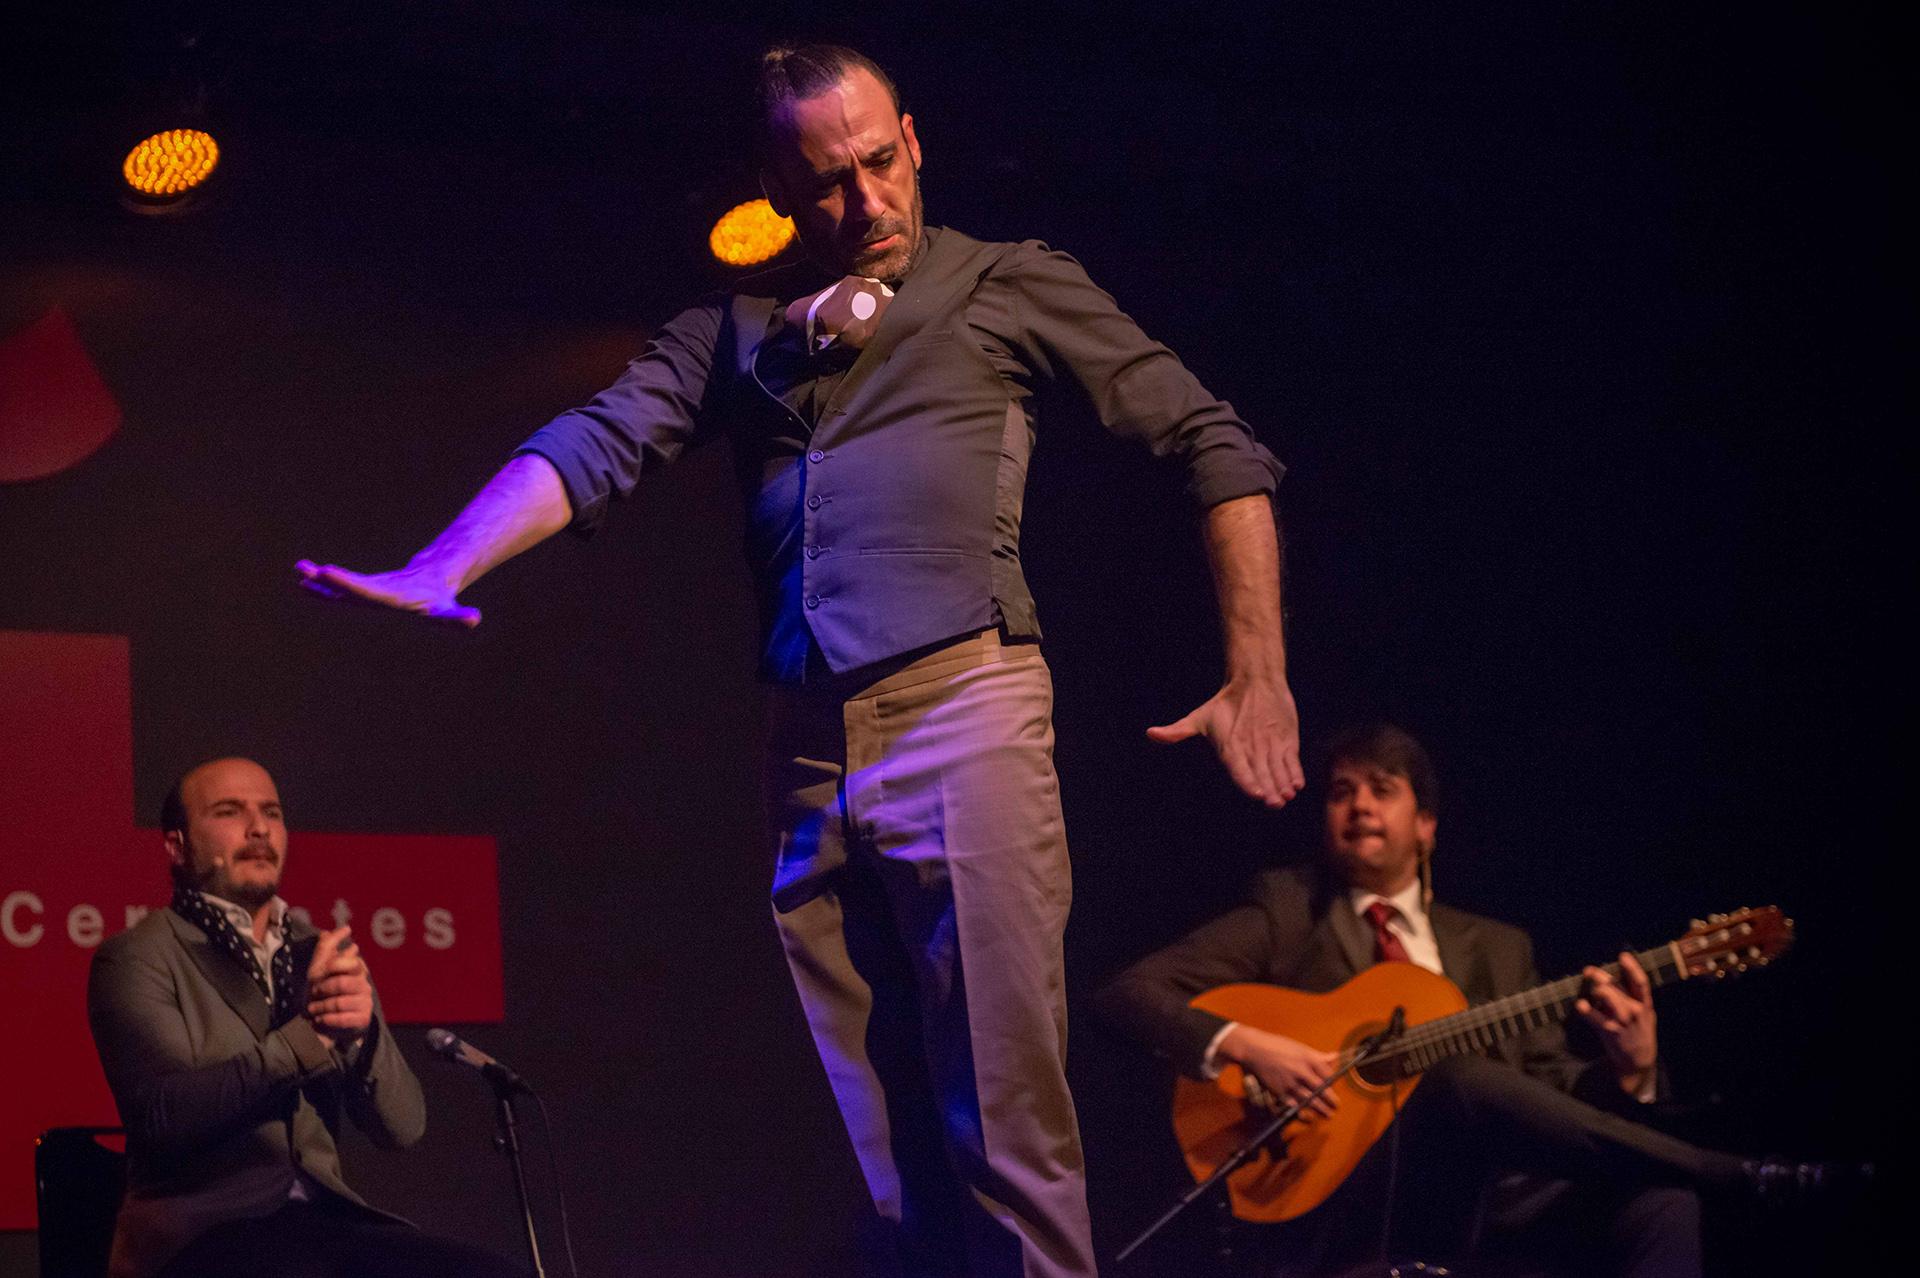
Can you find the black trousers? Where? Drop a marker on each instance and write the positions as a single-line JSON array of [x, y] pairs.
[[1488, 1159], [323, 1240]]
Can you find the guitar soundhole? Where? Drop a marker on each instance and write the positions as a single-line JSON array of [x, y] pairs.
[[1382, 1071]]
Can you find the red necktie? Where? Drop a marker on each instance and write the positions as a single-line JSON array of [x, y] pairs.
[[1386, 946]]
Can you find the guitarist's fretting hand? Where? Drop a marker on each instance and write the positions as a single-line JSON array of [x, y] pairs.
[[1287, 1068], [1625, 1021]]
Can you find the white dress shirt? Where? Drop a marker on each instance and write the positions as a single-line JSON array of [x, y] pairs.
[[242, 920]]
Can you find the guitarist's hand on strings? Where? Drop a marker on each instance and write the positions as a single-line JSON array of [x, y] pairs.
[[1622, 1012], [1285, 1068]]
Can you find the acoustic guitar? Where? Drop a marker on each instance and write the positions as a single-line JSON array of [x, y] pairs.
[[1213, 1119]]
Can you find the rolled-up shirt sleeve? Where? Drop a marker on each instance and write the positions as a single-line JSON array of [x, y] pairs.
[[1140, 390], [639, 423]]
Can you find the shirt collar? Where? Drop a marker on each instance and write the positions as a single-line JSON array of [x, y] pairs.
[[928, 234], [1406, 901], [242, 918]]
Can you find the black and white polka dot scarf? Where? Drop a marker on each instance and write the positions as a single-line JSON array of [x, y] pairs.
[[196, 909]]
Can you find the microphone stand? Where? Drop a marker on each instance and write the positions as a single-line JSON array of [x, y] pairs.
[[507, 1141], [1368, 1049]]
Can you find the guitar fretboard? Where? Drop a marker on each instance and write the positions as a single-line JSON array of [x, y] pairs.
[[1479, 1028]]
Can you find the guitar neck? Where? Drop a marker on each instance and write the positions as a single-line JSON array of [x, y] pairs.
[[1479, 1028]]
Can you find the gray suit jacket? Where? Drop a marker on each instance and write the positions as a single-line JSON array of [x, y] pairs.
[[220, 1112], [1296, 931]]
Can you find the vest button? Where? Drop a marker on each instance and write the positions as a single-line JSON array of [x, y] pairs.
[[813, 552], [816, 456], [813, 601], [813, 502]]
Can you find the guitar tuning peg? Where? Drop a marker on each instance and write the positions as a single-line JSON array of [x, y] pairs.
[[1719, 973], [1716, 918], [1697, 924]]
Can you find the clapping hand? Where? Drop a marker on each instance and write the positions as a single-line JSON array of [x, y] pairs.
[[339, 994]]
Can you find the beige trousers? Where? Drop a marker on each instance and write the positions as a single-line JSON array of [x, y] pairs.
[[921, 891]]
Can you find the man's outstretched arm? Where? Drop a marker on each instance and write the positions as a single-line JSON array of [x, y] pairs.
[[565, 475], [521, 506], [1066, 326], [1251, 721]]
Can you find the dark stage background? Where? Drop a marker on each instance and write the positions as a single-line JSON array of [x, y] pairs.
[[1576, 325]]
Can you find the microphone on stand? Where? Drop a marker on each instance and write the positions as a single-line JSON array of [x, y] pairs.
[[454, 1048], [506, 1085]]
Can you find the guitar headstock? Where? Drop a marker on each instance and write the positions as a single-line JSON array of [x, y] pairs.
[[1722, 944]]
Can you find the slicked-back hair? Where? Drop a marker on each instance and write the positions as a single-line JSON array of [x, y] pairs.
[[173, 816], [173, 808], [791, 73], [1392, 749]]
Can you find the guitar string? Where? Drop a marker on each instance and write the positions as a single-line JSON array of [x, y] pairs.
[[1515, 1014], [1455, 1033], [1549, 998], [1485, 1025]]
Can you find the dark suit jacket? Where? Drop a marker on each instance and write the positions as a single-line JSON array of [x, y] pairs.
[[220, 1112], [1297, 931]]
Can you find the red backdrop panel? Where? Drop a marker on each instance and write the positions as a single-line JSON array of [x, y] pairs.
[[55, 410]]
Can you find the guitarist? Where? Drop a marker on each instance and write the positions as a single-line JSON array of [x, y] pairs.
[[1535, 1142]]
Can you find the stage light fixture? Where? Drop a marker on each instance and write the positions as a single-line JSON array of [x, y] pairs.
[[165, 167], [751, 233]]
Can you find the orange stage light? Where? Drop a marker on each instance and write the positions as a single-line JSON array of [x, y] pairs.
[[749, 234], [168, 165]]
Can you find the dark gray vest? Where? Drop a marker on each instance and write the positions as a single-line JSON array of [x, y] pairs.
[[897, 526]]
